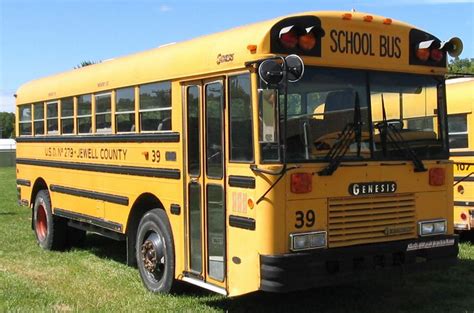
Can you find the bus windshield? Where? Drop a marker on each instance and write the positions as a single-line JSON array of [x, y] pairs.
[[376, 115]]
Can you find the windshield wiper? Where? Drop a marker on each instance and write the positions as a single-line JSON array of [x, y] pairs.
[[351, 132], [393, 134]]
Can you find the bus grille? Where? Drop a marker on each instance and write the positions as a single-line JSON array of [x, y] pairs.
[[373, 219]]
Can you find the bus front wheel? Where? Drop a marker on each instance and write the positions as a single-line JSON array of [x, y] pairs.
[[155, 251], [50, 231]]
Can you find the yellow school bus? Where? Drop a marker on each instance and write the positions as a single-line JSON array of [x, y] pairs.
[[460, 96], [259, 158]]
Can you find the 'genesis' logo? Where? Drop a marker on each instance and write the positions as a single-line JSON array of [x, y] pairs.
[[360, 189], [223, 58]]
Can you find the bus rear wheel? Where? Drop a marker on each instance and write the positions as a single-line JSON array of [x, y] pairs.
[[50, 231], [155, 252]]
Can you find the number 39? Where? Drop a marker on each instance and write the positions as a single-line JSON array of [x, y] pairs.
[[303, 219]]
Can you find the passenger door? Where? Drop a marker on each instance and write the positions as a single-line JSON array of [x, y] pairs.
[[205, 181]]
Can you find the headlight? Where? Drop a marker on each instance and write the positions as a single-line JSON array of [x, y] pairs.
[[430, 228], [305, 241]]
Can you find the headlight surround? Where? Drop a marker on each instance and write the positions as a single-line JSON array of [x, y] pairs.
[[308, 240], [431, 228]]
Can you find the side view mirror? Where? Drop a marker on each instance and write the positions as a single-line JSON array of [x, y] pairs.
[[272, 71]]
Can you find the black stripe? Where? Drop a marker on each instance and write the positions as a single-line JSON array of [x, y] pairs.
[[463, 178], [103, 168], [88, 219], [23, 182], [242, 181], [90, 194], [463, 203], [159, 137], [242, 222], [461, 153]]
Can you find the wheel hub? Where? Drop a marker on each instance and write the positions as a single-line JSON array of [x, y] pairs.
[[152, 251], [41, 223]]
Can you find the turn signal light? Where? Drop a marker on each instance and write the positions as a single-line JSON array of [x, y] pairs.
[[301, 182], [461, 189], [463, 216], [437, 176]]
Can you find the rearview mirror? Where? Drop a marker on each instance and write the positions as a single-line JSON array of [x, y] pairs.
[[271, 72]]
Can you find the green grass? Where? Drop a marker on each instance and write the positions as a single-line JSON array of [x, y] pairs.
[[95, 278]]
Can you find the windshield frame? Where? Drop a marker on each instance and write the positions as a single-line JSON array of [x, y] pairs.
[[441, 125]]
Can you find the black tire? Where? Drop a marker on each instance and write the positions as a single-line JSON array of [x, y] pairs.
[[155, 252], [50, 230]]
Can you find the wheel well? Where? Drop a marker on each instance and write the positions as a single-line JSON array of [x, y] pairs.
[[39, 184], [144, 203]]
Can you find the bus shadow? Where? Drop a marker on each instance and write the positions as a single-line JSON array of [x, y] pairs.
[[420, 292], [105, 248], [467, 237]]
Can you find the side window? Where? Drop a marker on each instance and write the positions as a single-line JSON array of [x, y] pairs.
[[25, 120], [457, 128], [240, 111], [38, 114], [194, 144], [155, 107], [103, 118], [67, 116], [295, 106], [214, 129], [52, 117], [84, 114], [125, 110], [421, 123]]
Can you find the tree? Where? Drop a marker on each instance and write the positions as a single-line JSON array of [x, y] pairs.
[[86, 63], [7, 125], [461, 66]]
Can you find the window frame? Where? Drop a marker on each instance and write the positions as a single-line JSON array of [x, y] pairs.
[[102, 131], [169, 108], [78, 117], [47, 118], [68, 117], [117, 113], [20, 121], [35, 120], [464, 114]]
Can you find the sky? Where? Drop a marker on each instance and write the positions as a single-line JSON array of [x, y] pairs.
[[43, 37]]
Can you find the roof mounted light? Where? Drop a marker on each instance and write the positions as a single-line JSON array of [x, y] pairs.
[[289, 37]]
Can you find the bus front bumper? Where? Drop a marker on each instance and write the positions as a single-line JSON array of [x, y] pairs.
[[323, 267]]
